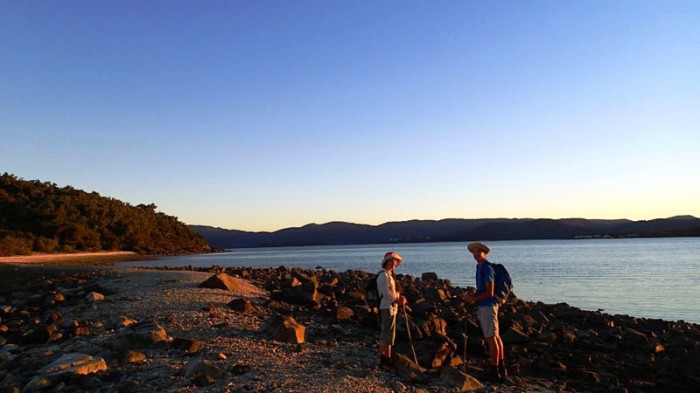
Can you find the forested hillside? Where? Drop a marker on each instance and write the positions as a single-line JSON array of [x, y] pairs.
[[42, 217]]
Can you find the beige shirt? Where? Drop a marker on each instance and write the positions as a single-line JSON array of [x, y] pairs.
[[386, 287]]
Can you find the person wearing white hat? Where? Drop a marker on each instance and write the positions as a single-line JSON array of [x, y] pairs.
[[389, 304], [487, 309]]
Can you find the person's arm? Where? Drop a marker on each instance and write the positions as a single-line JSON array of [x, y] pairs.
[[489, 287], [400, 300], [488, 293]]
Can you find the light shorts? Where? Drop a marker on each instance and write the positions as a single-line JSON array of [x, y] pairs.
[[387, 323], [488, 319]]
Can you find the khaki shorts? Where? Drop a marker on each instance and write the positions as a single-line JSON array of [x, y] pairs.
[[387, 323], [488, 319]]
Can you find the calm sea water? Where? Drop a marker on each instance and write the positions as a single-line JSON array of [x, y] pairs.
[[652, 278]]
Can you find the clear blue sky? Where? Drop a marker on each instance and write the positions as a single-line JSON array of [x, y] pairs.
[[260, 115]]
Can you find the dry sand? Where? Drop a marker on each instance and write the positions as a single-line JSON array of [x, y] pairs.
[[43, 258]]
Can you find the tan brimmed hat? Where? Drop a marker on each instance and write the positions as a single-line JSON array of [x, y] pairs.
[[392, 255], [478, 246]]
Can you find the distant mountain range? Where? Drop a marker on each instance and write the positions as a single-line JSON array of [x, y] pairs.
[[417, 231]]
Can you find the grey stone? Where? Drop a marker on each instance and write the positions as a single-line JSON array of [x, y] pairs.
[[460, 380]]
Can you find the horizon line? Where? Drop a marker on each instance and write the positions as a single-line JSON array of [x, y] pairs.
[[687, 216]]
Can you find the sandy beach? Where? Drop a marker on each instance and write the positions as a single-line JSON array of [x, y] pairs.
[[60, 257]]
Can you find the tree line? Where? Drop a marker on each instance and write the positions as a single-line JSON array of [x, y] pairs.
[[40, 216]]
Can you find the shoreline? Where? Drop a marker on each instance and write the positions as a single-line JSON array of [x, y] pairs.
[[585, 350]]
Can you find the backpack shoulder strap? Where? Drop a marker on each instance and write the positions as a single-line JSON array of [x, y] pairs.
[[483, 268]]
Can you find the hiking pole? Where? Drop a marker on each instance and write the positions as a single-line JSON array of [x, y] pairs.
[[464, 355], [410, 339], [466, 340]]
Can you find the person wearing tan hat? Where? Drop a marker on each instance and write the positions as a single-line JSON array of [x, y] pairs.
[[487, 309], [389, 304]]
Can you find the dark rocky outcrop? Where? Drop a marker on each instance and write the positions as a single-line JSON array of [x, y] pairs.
[[589, 350]]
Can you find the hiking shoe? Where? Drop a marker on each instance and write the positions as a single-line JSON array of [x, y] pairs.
[[493, 375], [386, 364], [502, 369]]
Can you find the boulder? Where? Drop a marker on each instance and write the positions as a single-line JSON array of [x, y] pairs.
[[130, 356], [243, 305], [433, 325], [598, 321], [39, 334], [73, 363], [142, 335], [363, 314], [305, 294], [433, 354], [514, 336], [306, 278], [190, 345], [221, 281], [202, 372], [460, 380], [434, 295], [690, 365], [633, 338], [284, 329], [406, 368], [343, 313], [291, 283]]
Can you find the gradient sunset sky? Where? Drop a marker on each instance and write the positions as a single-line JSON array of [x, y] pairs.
[[260, 115]]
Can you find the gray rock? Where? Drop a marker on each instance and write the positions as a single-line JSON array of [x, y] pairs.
[[142, 335], [74, 363], [37, 383], [514, 336], [460, 380], [434, 295], [199, 367]]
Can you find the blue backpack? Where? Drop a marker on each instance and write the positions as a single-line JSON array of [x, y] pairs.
[[503, 283]]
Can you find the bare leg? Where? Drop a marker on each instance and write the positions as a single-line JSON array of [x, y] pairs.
[[495, 349], [385, 350], [501, 349]]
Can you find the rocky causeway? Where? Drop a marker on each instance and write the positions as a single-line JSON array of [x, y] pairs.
[[118, 329]]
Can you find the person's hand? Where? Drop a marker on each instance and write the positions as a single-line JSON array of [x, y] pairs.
[[468, 298], [401, 300]]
